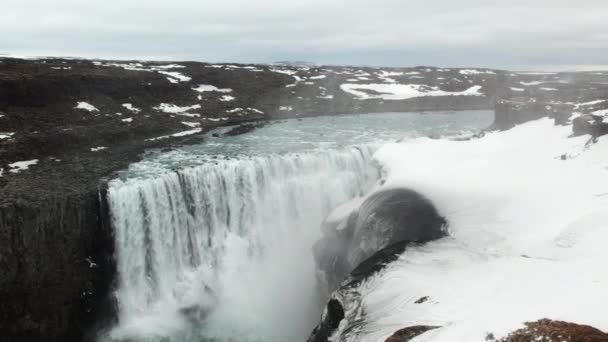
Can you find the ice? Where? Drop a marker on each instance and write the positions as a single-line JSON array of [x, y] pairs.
[[396, 91], [527, 236], [86, 106], [19, 166]]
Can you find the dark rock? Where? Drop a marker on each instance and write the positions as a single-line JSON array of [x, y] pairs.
[[244, 128], [385, 218], [589, 124], [422, 300], [549, 330], [409, 333]]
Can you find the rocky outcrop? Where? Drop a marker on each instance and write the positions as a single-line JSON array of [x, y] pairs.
[[385, 218], [554, 331], [409, 333], [373, 236], [589, 124]]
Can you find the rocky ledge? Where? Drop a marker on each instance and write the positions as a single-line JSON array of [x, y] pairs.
[[67, 125]]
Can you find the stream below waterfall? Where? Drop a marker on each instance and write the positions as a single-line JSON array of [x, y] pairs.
[[213, 241]]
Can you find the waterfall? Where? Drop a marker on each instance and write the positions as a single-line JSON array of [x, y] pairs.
[[222, 251]]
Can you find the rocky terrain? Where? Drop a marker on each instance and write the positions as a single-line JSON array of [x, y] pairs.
[[67, 125]]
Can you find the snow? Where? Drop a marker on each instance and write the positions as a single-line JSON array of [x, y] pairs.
[[174, 109], [397, 91], [205, 87], [531, 83], [234, 110], [6, 135], [590, 103], [19, 166], [176, 76], [127, 120], [320, 77], [475, 72], [517, 89], [548, 89], [286, 108], [255, 110], [191, 124], [527, 236], [130, 107], [86, 106], [179, 134], [98, 148], [227, 98]]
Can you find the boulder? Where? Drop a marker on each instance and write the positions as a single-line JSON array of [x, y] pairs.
[[589, 124], [409, 333], [385, 218]]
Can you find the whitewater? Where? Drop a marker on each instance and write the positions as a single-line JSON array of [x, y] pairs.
[[214, 241]]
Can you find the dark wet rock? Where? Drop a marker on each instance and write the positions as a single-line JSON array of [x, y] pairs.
[[409, 333], [244, 128], [589, 124], [554, 331], [385, 218]]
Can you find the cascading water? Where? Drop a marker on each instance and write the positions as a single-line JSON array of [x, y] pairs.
[[216, 248], [190, 239]]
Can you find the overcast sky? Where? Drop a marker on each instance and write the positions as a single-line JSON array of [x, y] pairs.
[[509, 34]]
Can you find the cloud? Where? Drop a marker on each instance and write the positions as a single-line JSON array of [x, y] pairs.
[[507, 34]]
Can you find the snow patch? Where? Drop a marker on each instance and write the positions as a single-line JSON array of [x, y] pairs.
[[98, 148], [191, 124], [86, 106], [130, 107], [127, 120], [176, 76], [174, 109], [179, 134], [402, 91], [227, 98], [206, 88], [19, 166], [6, 135]]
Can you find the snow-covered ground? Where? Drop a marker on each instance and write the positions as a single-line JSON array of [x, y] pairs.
[[528, 229], [395, 91]]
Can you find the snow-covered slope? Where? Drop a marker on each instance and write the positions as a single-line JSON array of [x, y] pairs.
[[528, 228]]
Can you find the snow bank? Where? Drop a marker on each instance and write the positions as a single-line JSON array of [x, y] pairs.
[[528, 233], [395, 91]]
